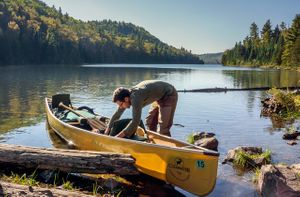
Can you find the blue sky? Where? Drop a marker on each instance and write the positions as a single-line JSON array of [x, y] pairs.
[[202, 26]]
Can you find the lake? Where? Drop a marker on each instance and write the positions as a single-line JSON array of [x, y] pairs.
[[233, 116]]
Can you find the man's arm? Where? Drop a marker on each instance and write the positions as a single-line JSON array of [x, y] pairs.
[[115, 117], [121, 134], [136, 118]]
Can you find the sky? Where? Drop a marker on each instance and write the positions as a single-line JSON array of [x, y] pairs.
[[202, 26]]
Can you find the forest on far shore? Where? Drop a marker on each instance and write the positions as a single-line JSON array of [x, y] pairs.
[[278, 47], [33, 33]]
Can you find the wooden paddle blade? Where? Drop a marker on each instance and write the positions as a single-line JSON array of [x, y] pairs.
[[95, 124]]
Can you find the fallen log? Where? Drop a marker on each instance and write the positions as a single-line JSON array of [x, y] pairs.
[[235, 89], [67, 160], [12, 189]]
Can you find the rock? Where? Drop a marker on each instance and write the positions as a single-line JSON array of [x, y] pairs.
[[260, 161], [279, 180], [291, 136], [209, 143], [200, 135], [292, 142], [206, 140], [232, 155], [270, 106]]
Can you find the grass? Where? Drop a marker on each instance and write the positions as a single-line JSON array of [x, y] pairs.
[[298, 176], [96, 188], [291, 130], [256, 175], [119, 193], [67, 185], [289, 103], [190, 138], [24, 180], [245, 160], [56, 175]]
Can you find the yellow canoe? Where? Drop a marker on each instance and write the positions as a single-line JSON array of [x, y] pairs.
[[189, 167]]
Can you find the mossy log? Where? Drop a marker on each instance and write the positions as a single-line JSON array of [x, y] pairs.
[[12, 189], [67, 160]]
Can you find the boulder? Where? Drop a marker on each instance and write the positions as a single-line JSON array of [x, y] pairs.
[[200, 135], [232, 156], [206, 140], [292, 142], [279, 180], [291, 136], [209, 143]]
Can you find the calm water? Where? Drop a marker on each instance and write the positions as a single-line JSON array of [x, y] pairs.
[[233, 116]]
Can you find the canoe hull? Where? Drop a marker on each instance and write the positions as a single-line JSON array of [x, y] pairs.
[[191, 169]]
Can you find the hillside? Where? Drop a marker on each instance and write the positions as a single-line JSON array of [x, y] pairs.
[[33, 33], [211, 58]]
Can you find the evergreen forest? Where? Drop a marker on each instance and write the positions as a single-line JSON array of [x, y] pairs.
[[33, 33], [270, 47]]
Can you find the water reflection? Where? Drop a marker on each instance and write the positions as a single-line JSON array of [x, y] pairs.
[[265, 78], [56, 140], [22, 89]]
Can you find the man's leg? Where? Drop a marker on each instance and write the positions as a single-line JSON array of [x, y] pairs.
[[152, 118], [167, 109]]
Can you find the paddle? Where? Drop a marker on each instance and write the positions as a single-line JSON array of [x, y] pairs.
[[95, 124]]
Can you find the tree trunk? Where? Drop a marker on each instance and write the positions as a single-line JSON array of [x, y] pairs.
[[12, 189], [67, 160]]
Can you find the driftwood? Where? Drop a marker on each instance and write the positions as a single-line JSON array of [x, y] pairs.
[[67, 160], [235, 89], [12, 189]]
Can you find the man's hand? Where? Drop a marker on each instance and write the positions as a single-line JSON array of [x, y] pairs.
[[107, 131], [121, 134]]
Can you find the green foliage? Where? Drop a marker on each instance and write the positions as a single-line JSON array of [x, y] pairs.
[[67, 185], [298, 176], [190, 138], [274, 47], [288, 102], [56, 176], [255, 175], [119, 193], [245, 160], [33, 33], [24, 180], [96, 188], [291, 130]]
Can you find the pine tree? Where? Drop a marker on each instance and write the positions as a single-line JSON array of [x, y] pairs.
[[289, 54]]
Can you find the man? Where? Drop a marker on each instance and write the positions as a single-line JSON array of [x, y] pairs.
[[163, 97]]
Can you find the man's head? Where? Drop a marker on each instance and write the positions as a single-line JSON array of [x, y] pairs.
[[121, 97]]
